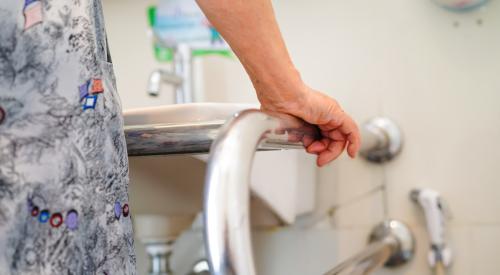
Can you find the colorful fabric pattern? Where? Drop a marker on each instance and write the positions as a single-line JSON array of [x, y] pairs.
[[63, 158], [32, 13]]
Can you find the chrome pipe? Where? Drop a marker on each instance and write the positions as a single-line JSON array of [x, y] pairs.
[[171, 139], [183, 67], [197, 137], [373, 257], [227, 184], [391, 243]]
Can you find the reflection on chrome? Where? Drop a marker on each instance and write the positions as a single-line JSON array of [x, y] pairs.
[[197, 137], [226, 209]]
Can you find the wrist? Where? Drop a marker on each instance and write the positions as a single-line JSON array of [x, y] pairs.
[[282, 91]]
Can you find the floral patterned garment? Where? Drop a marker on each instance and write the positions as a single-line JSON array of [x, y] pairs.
[[63, 161]]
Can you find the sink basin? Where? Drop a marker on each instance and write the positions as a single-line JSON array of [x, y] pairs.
[[283, 180], [183, 113]]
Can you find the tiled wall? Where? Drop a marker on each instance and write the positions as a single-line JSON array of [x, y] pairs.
[[434, 72]]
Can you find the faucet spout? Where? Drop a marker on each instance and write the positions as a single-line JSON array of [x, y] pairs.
[[158, 76], [180, 77]]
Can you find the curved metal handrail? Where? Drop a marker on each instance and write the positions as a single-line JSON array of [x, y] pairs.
[[232, 146], [226, 209]]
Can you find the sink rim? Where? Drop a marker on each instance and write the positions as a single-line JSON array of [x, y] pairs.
[[183, 113]]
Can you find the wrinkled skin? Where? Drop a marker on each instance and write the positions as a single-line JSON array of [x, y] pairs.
[[250, 28], [338, 129]]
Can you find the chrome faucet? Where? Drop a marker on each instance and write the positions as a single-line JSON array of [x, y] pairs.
[[180, 77], [159, 76]]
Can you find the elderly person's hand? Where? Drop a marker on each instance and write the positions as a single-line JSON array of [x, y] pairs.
[[338, 130], [251, 30]]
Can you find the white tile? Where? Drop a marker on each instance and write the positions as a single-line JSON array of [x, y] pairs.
[[357, 177], [438, 82], [460, 243], [294, 251], [141, 257], [278, 252], [351, 241], [448, 148], [345, 182], [449, 116], [485, 249], [361, 213], [166, 185], [445, 99]]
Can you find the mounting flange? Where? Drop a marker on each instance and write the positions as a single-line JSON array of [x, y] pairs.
[[405, 243], [381, 140]]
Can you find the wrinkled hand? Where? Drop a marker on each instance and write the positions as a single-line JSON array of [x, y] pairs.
[[338, 129]]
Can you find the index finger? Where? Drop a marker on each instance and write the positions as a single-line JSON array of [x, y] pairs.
[[350, 129]]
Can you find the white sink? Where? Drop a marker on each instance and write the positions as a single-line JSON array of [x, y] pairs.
[[283, 180], [183, 113]]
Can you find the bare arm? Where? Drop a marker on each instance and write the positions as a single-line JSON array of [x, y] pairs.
[[250, 28]]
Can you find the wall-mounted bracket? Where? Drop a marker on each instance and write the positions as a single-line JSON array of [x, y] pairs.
[[382, 140]]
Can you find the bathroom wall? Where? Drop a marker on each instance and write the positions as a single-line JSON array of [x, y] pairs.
[[432, 71]]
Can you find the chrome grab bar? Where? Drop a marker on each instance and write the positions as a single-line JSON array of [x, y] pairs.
[[391, 244], [197, 137], [367, 261], [226, 208], [232, 146], [382, 139]]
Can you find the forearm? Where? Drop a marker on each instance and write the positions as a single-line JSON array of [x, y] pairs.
[[250, 28]]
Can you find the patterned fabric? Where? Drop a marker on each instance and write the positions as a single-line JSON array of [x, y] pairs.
[[63, 159]]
